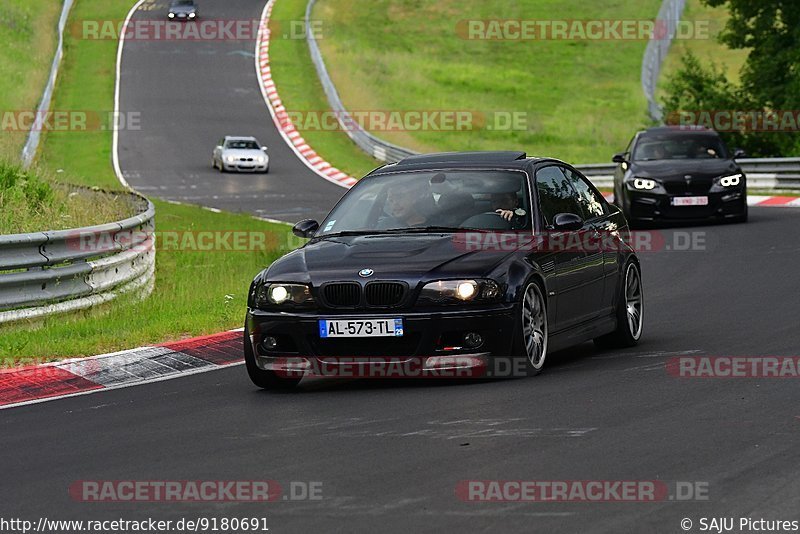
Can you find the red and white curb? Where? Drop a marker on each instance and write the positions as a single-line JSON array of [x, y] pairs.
[[754, 200], [773, 202], [283, 123], [68, 378]]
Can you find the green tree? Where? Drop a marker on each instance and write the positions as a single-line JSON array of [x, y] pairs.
[[770, 76]]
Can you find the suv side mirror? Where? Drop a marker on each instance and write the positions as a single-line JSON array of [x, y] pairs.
[[739, 153], [619, 158], [305, 228], [567, 222]]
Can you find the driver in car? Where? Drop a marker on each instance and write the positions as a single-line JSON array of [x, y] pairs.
[[405, 207]]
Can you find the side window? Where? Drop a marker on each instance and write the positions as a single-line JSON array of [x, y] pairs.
[[593, 204], [556, 195]]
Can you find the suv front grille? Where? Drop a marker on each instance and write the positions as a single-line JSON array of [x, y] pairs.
[[696, 187]]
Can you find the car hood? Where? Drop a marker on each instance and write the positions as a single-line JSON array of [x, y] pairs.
[[392, 257], [243, 153], [676, 169]]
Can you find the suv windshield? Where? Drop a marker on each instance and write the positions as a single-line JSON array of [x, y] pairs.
[[650, 148], [432, 200], [244, 145]]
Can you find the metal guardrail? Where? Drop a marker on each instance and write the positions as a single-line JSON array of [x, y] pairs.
[[657, 48], [376, 147], [765, 173], [32, 143], [44, 273]]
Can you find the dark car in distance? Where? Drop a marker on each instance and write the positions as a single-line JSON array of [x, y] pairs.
[[182, 10], [679, 174], [443, 259]]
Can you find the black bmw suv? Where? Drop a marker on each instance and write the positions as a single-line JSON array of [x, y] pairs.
[[679, 174]]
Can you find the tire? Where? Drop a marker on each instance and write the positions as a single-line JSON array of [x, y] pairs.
[[629, 311], [741, 218], [261, 378], [531, 339]]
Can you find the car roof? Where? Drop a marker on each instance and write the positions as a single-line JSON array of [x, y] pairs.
[[661, 131], [503, 159], [239, 138]]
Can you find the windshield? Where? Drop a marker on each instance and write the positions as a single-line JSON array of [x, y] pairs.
[[245, 145], [434, 200], [679, 147]]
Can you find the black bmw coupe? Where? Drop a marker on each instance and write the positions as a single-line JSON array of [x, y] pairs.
[[679, 174], [445, 262]]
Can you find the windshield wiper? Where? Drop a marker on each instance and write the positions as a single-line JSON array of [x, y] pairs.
[[409, 230], [346, 233], [433, 229]]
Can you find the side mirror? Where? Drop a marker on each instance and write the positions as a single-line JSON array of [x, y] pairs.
[[264, 148], [619, 158], [739, 153], [305, 228], [567, 222]]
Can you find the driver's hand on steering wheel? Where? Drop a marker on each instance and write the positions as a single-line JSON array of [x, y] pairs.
[[505, 214]]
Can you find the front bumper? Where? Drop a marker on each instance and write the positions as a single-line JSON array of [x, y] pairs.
[[432, 344], [645, 206], [239, 167]]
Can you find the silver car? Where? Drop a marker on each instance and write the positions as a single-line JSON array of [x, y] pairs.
[[243, 154]]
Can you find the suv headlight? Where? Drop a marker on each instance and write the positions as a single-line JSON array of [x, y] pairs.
[[459, 291], [637, 183], [271, 295], [730, 181], [644, 184]]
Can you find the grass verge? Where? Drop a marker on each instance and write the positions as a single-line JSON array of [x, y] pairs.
[[582, 99], [300, 90], [197, 292], [30, 203], [28, 34]]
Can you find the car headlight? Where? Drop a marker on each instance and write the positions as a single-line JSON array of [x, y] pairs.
[[459, 291], [285, 295], [230, 159], [192, 15], [261, 159], [171, 15], [730, 181], [644, 184]]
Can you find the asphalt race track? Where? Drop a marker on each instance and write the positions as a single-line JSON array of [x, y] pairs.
[[188, 95], [390, 454]]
